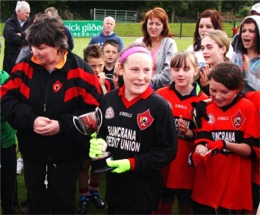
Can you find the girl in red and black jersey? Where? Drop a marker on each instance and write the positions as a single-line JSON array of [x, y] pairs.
[[180, 94], [139, 129], [224, 147]]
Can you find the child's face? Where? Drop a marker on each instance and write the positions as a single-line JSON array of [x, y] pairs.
[[205, 26], [221, 94], [248, 35], [110, 53], [137, 74], [183, 77], [212, 53], [96, 64]]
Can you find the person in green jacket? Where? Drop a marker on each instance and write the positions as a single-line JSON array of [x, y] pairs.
[[9, 197]]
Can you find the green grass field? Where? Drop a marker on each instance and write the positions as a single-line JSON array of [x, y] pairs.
[[81, 43], [177, 29]]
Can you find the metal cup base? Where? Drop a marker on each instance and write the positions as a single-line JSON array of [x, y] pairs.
[[99, 165]]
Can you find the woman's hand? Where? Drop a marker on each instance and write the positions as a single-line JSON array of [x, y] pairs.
[[46, 127], [40, 122]]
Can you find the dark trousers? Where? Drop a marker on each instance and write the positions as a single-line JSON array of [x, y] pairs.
[[59, 196], [9, 199]]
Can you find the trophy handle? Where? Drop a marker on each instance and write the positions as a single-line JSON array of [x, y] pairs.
[[75, 120], [99, 112]]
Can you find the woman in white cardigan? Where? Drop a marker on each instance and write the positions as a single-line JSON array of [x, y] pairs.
[[157, 38]]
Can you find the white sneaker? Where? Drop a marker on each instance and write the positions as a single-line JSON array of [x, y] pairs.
[[19, 167]]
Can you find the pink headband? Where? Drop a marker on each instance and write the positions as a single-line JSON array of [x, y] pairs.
[[133, 50]]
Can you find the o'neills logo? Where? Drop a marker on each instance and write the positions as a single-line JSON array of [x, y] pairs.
[[211, 119], [238, 119], [144, 120]]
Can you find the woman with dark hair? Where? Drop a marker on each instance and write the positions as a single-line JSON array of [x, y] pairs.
[[157, 37], [209, 20], [247, 55], [39, 99]]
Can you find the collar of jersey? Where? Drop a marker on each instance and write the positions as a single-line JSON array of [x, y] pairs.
[[58, 66], [195, 92], [144, 95]]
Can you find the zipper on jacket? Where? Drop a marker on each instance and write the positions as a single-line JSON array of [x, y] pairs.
[[46, 95], [44, 107]]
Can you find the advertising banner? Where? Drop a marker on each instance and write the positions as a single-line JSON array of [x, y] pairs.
[[85, 28]]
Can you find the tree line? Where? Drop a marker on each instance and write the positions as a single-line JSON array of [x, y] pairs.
[[83, 9]]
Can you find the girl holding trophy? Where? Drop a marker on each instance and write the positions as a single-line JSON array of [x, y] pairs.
[[139, 130]]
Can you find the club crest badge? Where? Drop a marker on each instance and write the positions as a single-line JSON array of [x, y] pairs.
[[109, 113], [238, 120], [144, 120], [57, 86]]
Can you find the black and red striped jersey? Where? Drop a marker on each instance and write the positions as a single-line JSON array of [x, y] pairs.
[[32, 91], [225, 179], [179, 174]]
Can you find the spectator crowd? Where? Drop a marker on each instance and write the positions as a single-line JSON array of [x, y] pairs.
[[182, 126]]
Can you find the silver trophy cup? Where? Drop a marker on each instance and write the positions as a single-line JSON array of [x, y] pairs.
[[89, 124]]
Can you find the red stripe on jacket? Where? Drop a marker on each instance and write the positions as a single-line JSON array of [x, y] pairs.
[[14, 84], [87, 77], [75, 91], [25, 68]]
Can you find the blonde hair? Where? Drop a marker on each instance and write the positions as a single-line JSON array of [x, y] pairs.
[[54, 12], [221, 38]]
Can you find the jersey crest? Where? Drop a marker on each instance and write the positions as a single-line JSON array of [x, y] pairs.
[[238, 119], [109, 113], [56, 86], [144, 120]]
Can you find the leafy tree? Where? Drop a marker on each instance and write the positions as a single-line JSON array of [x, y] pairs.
[[236, 6], [177, 9]]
